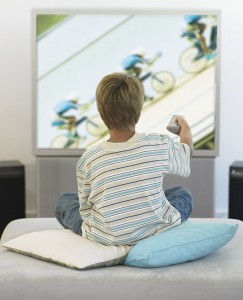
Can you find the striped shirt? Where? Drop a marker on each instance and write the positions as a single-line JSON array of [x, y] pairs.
[[120, 188]]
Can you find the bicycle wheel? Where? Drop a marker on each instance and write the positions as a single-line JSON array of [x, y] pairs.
[[95, 126], [188, 62], [61, 141], [162, 82]]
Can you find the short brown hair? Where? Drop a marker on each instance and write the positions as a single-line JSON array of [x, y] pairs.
[[120, 99]]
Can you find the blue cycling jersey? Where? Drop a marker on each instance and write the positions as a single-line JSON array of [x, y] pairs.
[[65, 106], [131, 61]]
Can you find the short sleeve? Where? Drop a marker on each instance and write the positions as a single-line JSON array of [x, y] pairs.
[[179, 158]]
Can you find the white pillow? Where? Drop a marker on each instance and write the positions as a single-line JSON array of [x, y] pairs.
[[64, 247]]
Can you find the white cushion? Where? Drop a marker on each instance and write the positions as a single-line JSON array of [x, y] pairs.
[[64, 247]]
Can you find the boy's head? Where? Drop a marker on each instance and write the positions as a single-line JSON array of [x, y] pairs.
[[119, 101]]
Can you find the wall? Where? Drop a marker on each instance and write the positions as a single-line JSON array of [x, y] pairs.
[[15, 82]]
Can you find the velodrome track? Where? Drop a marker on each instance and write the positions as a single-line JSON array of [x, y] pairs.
[[192, 97]]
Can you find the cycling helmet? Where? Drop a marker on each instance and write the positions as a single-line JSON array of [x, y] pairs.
[[192, 18], [139, 51], [73, 97]]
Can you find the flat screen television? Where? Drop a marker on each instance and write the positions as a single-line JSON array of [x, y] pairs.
[[178, 64]]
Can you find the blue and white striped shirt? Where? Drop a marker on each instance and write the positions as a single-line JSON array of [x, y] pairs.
[[120, 187]]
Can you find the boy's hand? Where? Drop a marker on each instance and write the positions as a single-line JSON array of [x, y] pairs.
[[185, 132], [183, 124]]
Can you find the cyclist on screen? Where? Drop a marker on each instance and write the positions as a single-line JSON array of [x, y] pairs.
[[64, 117], [193, 28], [135, 63]]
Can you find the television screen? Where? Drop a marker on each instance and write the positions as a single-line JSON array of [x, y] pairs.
[[174, 54]]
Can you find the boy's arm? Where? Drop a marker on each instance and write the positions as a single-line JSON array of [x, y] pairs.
[[185, 133], [83, 194], [179, 153]]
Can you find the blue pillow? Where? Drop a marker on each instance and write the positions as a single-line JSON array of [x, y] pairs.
[[188, 241]]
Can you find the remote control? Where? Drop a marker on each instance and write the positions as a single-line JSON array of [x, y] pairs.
[[173, 126]]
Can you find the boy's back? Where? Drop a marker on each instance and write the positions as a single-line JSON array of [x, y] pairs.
[[121, 188]]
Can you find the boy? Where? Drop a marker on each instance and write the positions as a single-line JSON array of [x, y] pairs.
[[120, 181]]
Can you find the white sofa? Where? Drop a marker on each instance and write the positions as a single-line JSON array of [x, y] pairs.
[[218, 276]]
